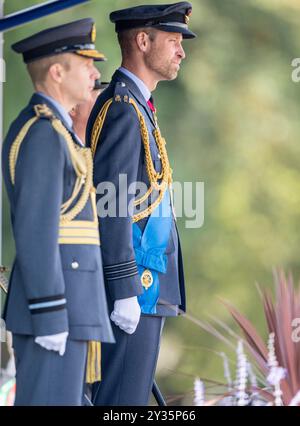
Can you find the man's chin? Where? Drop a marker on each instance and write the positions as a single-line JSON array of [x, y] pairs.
[[169, 76], [173, 72], [88, 97], [173, 76]]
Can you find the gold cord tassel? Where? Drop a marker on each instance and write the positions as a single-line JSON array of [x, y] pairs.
[[81, 159], [93, 368], [158, 181], [14, 151]]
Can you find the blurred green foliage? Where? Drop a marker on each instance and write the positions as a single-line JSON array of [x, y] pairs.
[[231, 120]]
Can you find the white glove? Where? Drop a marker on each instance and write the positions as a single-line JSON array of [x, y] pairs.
[[54, 342], [126, 314]]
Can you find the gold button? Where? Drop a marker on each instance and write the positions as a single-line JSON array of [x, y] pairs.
[[75, 265]]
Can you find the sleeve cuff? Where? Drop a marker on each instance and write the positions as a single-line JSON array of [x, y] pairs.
[[47, 304], [123, 280], [49, 315]]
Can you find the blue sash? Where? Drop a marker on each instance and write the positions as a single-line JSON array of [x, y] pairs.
[[150, 247]]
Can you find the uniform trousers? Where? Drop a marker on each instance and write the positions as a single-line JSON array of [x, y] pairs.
[[128, 366], [44, 377]]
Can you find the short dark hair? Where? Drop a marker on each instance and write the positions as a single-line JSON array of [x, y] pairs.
[[126, 38]]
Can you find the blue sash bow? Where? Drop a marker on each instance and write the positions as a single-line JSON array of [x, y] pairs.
[[150, 247]]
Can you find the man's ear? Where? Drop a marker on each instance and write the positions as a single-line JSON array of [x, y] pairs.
[[56, 72], [143, 41]]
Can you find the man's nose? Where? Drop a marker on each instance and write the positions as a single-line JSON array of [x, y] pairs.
[[95, 73], [181, 52]]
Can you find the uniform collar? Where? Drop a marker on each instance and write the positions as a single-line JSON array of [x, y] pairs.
[[62, 111], [59, 111], [140, 84]]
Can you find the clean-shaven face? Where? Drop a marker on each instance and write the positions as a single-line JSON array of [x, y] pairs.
[[79, 79]]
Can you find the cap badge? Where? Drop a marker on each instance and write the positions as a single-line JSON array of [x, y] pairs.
[[187, 16], [93, 33]]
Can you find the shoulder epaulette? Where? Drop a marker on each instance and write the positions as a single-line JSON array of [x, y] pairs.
[[121, 93]]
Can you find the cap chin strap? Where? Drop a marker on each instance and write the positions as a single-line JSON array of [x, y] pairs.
[[173, 24], [86, 46]]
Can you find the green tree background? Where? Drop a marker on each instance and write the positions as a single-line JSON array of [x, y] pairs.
[[231, 120]]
